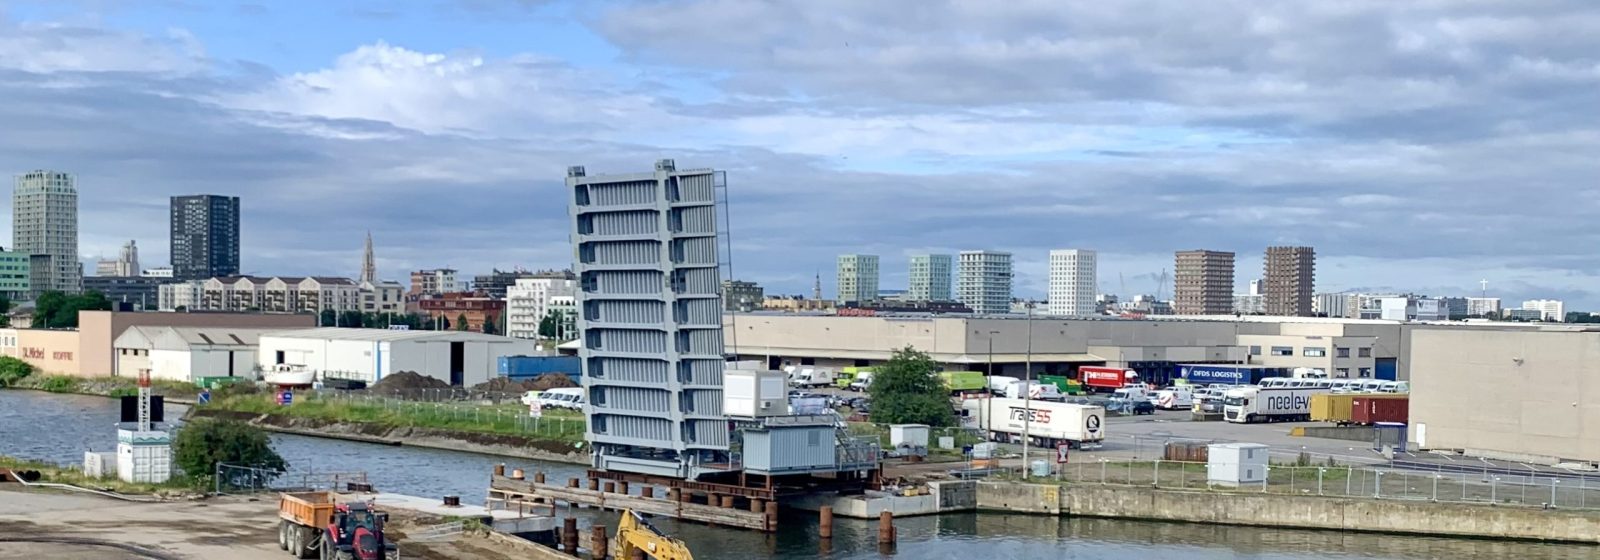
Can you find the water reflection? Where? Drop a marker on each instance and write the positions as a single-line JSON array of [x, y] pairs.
[[59, 428]]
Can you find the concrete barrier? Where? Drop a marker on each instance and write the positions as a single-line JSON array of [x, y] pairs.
[[1296, 512], [1347, 433]]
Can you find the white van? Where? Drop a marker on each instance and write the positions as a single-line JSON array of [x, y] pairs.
[[1174, 397], [565, 397], [1394, 387], [862, 382], [1274, 382], [1339, 386], [1036, 391], [999, 383], [1370, 386], [1133, 393]]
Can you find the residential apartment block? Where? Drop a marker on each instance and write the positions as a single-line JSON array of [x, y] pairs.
[[1290, 275], [1073, 275], [1203, 283], [528, 302], [931, 277], [16, 275], [289, 294], [204, 236], [44, 224], [738, 295], [1549, 309], [858, 277], [984, 281], [1483, 307], [435, 281], [181, 296]]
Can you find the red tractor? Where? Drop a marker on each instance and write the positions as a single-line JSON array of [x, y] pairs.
[[316, 526]]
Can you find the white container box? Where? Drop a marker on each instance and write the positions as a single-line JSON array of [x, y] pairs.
[[99, 465], [915, 435], [1236, 464], [754, 393]]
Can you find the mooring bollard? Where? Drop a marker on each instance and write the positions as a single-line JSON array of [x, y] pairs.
[[569, 535], [756, 505], [886, 527], [516, 474], [500, 469], [772, 516], [597, 541], [452, 501], [825, 526]]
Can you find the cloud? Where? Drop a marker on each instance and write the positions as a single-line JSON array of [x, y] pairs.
[[1420, 144]]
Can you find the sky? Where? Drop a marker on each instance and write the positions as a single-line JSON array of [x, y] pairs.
[[1418, 146]]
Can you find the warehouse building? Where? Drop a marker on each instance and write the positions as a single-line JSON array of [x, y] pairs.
[[1522, 393], [187, 353], [460, 358]]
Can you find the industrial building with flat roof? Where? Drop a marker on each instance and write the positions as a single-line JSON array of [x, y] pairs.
[[458, 357]]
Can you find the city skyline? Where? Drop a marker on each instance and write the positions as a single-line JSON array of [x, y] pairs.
[[1379, 151]]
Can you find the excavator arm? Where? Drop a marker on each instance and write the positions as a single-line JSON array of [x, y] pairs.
[[634, 533]]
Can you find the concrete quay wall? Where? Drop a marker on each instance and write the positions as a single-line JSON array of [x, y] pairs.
[[1294, 512]]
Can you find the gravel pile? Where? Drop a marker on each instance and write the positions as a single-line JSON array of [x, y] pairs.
[[406, 381]]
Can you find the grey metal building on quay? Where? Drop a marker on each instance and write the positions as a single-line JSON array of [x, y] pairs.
[[651, 319]]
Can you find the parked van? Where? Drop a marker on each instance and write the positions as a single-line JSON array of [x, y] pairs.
[[863, 381], [1133, 393], [1036, 391], [1371, 385], [565, 397], [1174, 397], [1394, 387], [1341, 386], [811, 377], [1274, 382], [999, 383]]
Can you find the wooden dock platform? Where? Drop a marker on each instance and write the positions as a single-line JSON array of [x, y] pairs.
[[510, 492]]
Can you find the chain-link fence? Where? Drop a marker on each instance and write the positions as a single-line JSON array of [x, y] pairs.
[[1578, 491], [242, 479], [509, 416]]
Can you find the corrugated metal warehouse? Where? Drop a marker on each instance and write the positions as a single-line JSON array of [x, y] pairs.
[[1526, 394], [461, 358]]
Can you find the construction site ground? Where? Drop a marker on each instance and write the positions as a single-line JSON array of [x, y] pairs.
[[52, 524]]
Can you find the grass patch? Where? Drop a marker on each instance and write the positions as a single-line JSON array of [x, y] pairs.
[[72, 475], [105, 386], [505, 419]]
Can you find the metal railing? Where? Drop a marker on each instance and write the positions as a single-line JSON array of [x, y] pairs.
[[1579, 491]]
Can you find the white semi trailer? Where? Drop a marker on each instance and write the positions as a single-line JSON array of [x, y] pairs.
[[1268, 404], [1046, 423]]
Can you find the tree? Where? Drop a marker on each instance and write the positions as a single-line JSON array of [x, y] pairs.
[[549, 326], [488, 325], [55, 310], [327, 318], [5, 311], [13, 370], [350, 319], [461, 322], [202, 443], [907, 390]]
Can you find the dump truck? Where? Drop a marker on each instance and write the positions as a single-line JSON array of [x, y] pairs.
[[317, 525]]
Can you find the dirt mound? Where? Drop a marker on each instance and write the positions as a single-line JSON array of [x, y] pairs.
[[407, 381], [542, 383]]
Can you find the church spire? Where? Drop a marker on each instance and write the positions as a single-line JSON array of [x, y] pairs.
[[369, 265]]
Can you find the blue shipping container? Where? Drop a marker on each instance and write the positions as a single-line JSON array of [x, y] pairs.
[[1223, 374], [534, 366]]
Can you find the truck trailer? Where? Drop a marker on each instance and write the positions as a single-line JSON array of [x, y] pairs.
[[1230, 374], [1046, 423], [1105, 379], [1268, 404]]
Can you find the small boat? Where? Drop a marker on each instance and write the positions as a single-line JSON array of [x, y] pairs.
[[293, 375]]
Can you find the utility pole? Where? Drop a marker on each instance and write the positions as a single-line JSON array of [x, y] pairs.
[[1027, 392]]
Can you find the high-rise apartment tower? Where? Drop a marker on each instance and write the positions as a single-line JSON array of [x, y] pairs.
[[1203, 283], [1290, 275]]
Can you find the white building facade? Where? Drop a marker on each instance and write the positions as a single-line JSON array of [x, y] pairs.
[[1072, 282], [1549, 309], [528, 302], [930, 278], [984, 281], [186, 353], [298, 295], [180, 295], [1483, 306], [460, 358], [858, 277]]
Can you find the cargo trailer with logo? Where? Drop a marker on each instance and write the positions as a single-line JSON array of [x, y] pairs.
[[1046, 423], [1265, 404], [1230, 374]]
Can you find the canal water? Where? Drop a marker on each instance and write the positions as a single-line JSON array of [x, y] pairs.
[[59, 428]]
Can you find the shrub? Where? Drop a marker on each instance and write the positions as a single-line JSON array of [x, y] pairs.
[[13, 370], [59, 384], [204, 442]]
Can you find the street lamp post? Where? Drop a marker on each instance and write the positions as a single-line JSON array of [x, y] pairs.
[[1027, 392]]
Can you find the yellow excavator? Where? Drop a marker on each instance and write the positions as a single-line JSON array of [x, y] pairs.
[[637, 539]]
